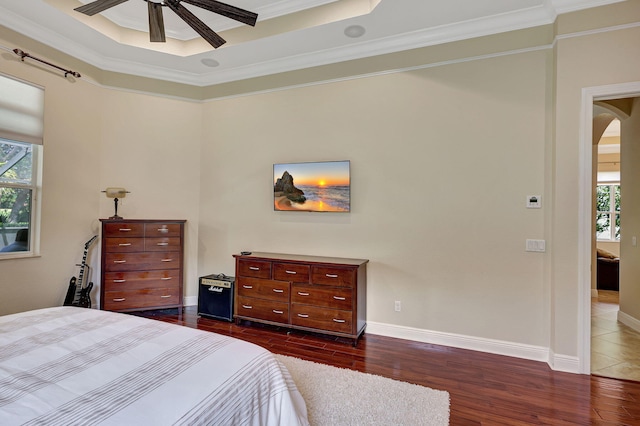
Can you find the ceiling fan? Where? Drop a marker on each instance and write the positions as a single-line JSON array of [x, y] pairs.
[[156, 20]]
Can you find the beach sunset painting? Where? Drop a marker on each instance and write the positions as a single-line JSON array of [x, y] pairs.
[[312, 187]]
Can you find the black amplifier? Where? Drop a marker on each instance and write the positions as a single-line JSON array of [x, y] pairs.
[[215, 296]]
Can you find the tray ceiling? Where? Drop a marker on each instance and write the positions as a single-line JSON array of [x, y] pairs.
[[289, 35]]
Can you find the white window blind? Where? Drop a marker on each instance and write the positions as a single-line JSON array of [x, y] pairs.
[[21, 111]]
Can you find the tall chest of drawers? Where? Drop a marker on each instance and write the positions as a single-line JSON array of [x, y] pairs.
[[142, 264], [312, 293]]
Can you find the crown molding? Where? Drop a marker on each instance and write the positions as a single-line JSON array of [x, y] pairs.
[[543, 14], [566, 6]]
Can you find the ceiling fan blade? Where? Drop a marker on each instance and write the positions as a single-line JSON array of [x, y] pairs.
[[156, 22], [229, 11], [98, 6], [200, 27]]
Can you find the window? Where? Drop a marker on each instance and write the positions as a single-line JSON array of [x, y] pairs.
[[17, 189], [608, 212], [21, 123]]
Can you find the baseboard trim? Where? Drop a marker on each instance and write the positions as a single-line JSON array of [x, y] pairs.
[[565, 363], [498, 347], [556, 362], [629, 321]]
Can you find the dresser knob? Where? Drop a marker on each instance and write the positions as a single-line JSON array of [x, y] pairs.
[[339, 298], [339, 320]]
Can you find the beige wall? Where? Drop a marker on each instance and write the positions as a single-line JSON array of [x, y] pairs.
[[94, 138], [442, 158], [610, 246], [151, 146], [69, 202], [583, 61], [630, 205]]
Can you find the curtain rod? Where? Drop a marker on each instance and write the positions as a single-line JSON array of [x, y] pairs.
[[23, 55]]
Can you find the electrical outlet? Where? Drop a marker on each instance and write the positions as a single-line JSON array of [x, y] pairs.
[[398, 307]]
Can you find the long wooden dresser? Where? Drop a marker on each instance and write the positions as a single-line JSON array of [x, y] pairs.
[[319, 294], [142, 264]]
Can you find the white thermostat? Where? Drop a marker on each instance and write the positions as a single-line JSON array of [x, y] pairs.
[[534, 201]]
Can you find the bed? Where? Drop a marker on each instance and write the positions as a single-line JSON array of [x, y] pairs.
[[77, 366]]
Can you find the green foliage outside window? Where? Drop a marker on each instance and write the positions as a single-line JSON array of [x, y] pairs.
[[15, 189], [608, 212], [15, 173]]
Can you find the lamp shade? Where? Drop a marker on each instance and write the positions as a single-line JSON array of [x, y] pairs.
[[116, 192]]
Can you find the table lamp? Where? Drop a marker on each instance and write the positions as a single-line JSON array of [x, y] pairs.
[[116, 193]]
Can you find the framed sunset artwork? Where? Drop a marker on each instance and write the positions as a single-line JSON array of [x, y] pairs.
[[323, 186]]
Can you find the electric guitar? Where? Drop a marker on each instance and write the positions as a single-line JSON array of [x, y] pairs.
[[78, 294]]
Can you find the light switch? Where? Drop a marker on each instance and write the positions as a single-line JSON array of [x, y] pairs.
[[536, 245]]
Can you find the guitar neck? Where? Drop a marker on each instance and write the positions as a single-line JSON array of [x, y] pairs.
[[79, 283]]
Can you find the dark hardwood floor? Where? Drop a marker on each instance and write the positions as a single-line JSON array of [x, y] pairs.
[[485, 389]]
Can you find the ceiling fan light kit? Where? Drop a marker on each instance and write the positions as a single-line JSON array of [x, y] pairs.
[[156, 18]]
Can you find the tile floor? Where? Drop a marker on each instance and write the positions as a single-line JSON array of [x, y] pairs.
[[615, 348]]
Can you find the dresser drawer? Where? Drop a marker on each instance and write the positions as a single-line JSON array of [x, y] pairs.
[[321, 318], [141, 279], [123, 245], [267, 310], [162, 230], [263, 289], [115, 262], [254, 268], [291, 272], [123, 229], [333, 276], [162, 244], [143, 298], [330, 297]]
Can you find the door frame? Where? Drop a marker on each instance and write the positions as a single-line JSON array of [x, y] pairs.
[[585, 201]]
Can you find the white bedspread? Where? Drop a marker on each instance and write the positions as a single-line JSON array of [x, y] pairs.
[[75, 366]]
